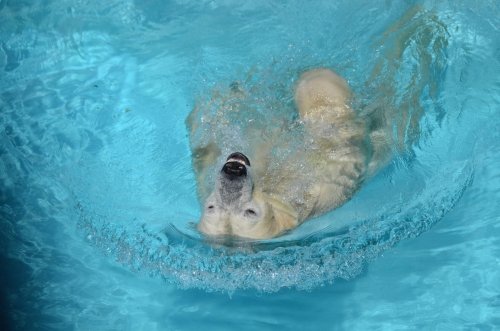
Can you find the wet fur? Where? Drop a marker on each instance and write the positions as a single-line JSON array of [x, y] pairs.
[[336, 165]]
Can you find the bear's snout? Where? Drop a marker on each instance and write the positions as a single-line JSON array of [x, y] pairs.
[[236, 166]]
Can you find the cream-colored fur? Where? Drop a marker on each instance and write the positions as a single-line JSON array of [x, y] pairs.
[[310, 181]]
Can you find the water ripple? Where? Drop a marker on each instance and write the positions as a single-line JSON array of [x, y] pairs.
[[322, 258]]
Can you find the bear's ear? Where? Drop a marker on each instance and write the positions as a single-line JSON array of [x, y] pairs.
[[285, 217]]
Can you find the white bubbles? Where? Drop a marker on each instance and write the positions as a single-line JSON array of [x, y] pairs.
[[305, 263]]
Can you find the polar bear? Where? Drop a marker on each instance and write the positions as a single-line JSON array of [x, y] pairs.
[[264, 167], [255, 194]]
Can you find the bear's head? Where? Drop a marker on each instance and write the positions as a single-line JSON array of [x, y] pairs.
[[237, 208]]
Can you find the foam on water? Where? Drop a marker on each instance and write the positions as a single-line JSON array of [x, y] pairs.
[[318, 259]]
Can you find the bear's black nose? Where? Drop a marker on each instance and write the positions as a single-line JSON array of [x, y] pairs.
[[234, 169]]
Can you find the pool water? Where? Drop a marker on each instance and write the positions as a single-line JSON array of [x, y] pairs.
[[98, 196]]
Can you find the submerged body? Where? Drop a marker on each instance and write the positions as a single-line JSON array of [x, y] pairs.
[[260, 193]]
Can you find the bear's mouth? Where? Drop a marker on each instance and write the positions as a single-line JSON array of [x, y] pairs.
[[236, 166], [238, 157]]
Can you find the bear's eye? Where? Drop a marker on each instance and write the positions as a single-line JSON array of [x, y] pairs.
[[250, 212], [210, 207]]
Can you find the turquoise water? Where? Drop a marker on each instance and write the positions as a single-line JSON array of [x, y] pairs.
[[97, 193]]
